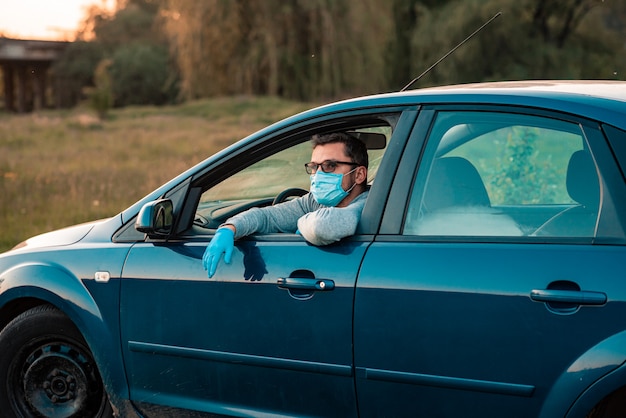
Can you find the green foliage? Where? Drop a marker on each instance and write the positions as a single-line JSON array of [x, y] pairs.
[[533, 39], [296, 49], [139, 74], [333, 48], [328, 49], [74, 70], [523, 165], [518, 175], [529, 171], [101, 96], [132, 24], [141, 71], [405, 15]]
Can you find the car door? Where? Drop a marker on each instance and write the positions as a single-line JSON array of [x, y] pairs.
[[233, 346], [484, 285], [270, 333]]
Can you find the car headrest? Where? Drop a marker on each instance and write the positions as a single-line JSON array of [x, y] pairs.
[[582, 179], [454, 181]]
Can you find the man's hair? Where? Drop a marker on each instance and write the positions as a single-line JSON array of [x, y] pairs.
[[355, 149]]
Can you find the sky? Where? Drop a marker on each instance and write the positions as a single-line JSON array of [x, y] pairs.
[[44, 19]]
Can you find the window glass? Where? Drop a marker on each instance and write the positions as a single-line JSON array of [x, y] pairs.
[[266, 178], [375, 155], [496, 174], [258, 184], [617, 139], [281, 171]]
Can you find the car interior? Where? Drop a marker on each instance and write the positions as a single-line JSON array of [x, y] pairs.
[[472, 190], [275, 177]]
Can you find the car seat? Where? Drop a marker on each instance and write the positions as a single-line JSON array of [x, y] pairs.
[[454, 182], [456, 202], [583, 187]]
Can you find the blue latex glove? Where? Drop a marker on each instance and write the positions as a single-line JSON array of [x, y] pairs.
[[223, 242]]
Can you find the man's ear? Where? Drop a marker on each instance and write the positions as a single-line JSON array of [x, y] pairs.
[[361, 175]]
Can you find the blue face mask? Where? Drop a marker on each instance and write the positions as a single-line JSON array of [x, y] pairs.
[[326, 188]]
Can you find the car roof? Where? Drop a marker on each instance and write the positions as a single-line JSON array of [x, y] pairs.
[[602, 100], [608, 89]]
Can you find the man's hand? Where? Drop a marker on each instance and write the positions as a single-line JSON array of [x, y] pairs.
[[223, 242]]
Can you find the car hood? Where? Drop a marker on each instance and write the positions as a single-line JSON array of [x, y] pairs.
[[61, 237]]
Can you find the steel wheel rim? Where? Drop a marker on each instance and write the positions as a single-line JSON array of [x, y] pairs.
[[57, 380]]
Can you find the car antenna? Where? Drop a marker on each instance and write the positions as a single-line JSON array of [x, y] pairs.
[[451, 51]]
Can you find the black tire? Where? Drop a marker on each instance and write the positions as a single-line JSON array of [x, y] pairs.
[[47, 370], [611, 406]]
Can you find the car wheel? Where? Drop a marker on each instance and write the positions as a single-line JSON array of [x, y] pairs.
[[46, 369]]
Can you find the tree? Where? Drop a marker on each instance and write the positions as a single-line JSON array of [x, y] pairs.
[[140, 68], [139, 74], [327, 49], [534, 39], [101, 96], [556, 20], [74, 70], [135, 23], [294, 48]]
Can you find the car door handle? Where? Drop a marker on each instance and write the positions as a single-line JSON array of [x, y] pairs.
[[578, 297], [305, 284]]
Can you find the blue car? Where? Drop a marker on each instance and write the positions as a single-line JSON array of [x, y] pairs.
[[487, 276]]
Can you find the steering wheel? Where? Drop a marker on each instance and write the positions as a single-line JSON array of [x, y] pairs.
[[291, 192]]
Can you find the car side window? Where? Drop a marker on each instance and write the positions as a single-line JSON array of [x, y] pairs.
[[500, 174], [265, 178], [281, 173], [282, 170]]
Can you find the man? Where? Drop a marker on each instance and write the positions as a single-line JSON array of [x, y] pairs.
[[328, 213]]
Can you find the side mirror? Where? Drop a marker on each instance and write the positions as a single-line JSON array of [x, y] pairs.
[[156, 218]]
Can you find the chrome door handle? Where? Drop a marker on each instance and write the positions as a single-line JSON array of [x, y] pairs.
[[305, 284], [577, 297]]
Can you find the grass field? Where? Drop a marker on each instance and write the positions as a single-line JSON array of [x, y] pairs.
[[59, 168]]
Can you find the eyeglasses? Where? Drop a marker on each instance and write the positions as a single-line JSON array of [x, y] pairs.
[[327, 166]]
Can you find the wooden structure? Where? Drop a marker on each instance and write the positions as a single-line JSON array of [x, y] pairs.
[[25, 65]]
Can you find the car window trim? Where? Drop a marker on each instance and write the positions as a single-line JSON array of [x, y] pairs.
[[372, 212]]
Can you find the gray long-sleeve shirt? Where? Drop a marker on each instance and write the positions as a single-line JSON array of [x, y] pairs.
[[318, 224]]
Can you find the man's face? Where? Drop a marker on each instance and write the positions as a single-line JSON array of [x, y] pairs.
[[335, 151]]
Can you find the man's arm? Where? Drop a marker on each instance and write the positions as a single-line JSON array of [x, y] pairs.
[[279, 218], [330, 224]]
